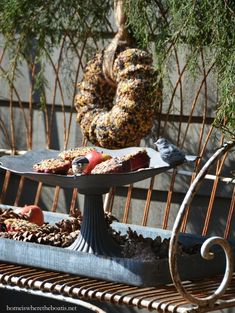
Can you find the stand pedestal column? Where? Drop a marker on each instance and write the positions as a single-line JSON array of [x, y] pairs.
[[94, 236]]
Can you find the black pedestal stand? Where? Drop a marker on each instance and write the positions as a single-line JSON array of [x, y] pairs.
[[94, 236]]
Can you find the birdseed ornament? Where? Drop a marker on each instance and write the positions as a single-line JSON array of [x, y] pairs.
[[117, 98], [117, 117]]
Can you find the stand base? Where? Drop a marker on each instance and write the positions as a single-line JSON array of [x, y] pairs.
[[94, 236]]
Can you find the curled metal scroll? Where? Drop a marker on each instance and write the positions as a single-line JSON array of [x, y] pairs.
[[205, 250]]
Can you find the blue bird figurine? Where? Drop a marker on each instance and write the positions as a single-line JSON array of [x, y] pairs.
[[172, 154]]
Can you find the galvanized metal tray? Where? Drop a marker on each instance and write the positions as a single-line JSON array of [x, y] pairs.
[[116, 269]]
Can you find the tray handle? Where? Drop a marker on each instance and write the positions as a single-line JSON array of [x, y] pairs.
[[205, 249]]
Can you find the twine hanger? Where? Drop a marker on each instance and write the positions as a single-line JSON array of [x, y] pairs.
[[121, 38]]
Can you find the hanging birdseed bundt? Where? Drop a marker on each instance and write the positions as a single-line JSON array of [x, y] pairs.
[[121, 115]]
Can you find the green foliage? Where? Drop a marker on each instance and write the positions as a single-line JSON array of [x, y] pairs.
[[34, 28], [198, 24], [147, 21], [48, 21], [225, 117]]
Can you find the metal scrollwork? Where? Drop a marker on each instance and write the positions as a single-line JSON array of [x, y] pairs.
[[205, 249]]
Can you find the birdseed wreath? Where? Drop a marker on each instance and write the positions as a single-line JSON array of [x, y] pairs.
[[117, 115]]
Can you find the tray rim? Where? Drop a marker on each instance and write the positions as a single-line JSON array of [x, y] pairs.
[[85, 182]]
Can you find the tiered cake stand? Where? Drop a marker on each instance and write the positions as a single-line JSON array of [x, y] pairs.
[[94, 236]]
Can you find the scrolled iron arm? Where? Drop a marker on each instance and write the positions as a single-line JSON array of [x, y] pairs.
[[205, 249]]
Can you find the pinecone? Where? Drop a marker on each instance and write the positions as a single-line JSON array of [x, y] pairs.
[[144, 248], [69, 225], [46, 234], [9, 213]]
